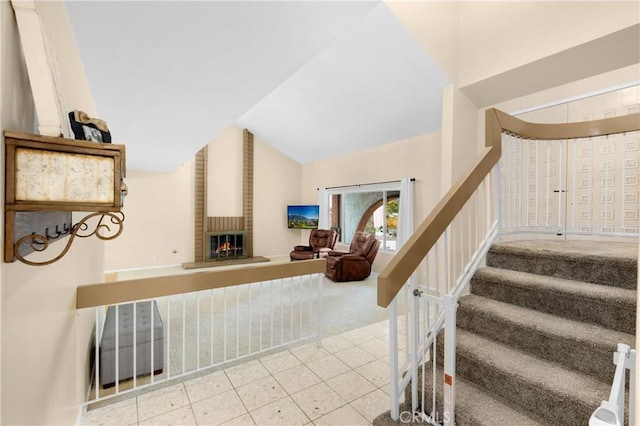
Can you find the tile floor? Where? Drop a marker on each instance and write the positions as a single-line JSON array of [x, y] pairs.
[[344, 382]]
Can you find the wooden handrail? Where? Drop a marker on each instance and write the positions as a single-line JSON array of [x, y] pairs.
[[147, 288], [408, 257], [575, 130]]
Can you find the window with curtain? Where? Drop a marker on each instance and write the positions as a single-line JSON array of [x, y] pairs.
[[371, 208]]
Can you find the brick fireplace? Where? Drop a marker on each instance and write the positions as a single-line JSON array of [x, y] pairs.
[[215, 236]]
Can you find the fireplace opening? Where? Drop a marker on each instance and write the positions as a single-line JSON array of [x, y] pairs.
[[225, 245]]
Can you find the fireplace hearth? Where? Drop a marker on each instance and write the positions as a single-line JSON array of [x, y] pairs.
[[225, 245]]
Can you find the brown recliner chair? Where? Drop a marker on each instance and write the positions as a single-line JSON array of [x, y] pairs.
[[354, 265], [321, 242]]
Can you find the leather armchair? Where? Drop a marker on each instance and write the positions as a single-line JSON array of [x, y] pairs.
[[321, 242], [354, 265]]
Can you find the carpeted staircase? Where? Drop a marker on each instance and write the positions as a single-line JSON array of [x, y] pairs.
[[537, 334]]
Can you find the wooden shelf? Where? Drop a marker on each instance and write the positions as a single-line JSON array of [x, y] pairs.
[[55, 175]]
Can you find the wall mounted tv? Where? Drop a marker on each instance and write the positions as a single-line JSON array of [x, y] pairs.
[[303, 217]]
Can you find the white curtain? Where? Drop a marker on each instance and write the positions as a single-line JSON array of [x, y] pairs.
[[323, 202], [405, 214]]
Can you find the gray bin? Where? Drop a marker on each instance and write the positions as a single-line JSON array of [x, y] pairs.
[[125, 342]]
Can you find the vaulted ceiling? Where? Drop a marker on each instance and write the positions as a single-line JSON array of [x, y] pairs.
[[312, 79], [319, 79]]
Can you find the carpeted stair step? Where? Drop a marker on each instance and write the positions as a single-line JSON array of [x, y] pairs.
[[612, 264], [541, 388], [385, 419], [473, 406], [610, 307], [578, 346]]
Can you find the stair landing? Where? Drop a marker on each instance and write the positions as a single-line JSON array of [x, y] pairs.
[[605, 249]]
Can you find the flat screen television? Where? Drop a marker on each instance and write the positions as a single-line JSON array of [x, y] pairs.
[[303, 217]]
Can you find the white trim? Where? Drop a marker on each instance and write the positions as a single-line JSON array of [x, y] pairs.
[[41, 69], [141, 268], [578, 97]]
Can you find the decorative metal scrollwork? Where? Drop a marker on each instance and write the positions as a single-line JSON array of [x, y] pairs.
[[102, 230]]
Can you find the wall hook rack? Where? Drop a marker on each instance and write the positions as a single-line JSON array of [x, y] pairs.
[[47, 179], [41, 242]]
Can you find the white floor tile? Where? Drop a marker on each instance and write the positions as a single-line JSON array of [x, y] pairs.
[[122, 413], [283, 412], [387, 359], [328, 367], [243, 420], [387, 390], [346, 415], [297, 378], [246, 372], [206, 386], [402, 340], [344, 382], [372, 404], [181, 416], [351, 385], [309, 352], [261, 392], [161, 401], [378, 329], [357, 336], [377, 372], [402, 324], [376, 347], [318, 400], [280, 361], [218, 409], [335, 344], [355, 357]]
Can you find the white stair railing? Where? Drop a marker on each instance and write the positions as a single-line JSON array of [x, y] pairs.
[[440, 248], [197, 322], [611, 412], [431, 299]]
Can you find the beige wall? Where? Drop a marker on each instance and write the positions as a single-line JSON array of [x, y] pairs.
[[159, 220], [436, 26], [499, 36], [276, 184], [465, 127], [596, 84], [278, 181], [417, 157], [159, 225], [225, 174], [473, 41], [460, 143], [44, 341]]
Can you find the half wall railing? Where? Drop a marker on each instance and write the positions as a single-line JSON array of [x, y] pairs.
[[433, 268], [152, 330]]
